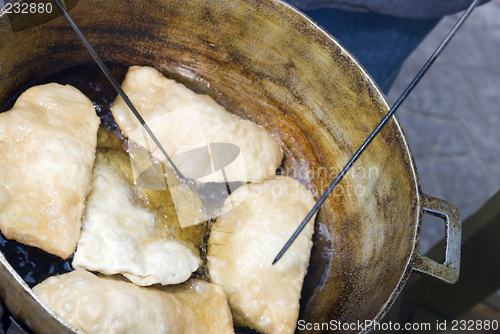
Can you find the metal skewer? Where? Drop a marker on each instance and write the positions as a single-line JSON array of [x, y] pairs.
[[379, 127], [116, 85]]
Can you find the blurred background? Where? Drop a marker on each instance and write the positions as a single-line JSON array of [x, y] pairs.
[[452, 118], [452, 122]]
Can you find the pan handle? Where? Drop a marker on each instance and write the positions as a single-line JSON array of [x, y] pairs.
[[449, 270]]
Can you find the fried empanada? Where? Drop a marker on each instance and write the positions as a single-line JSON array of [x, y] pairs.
[[244, 242], [47, 148], [109, 305], [121, 236], [183, 121]]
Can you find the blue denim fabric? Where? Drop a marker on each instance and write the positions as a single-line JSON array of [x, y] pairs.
[[381, 43], [411, 9]]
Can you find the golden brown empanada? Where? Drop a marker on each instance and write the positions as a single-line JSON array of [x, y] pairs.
[[183, 120], [244, 242], [47, 148], [112, 306], [121, 236]]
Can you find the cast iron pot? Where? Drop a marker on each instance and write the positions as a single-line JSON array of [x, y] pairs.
[[264, 61]]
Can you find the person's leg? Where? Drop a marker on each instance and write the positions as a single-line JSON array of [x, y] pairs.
[[380, 43]]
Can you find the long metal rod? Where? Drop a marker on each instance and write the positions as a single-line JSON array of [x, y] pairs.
[[115, 84], [379, 127]]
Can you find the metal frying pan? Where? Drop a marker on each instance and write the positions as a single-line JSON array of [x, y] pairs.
[[266, 62]]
